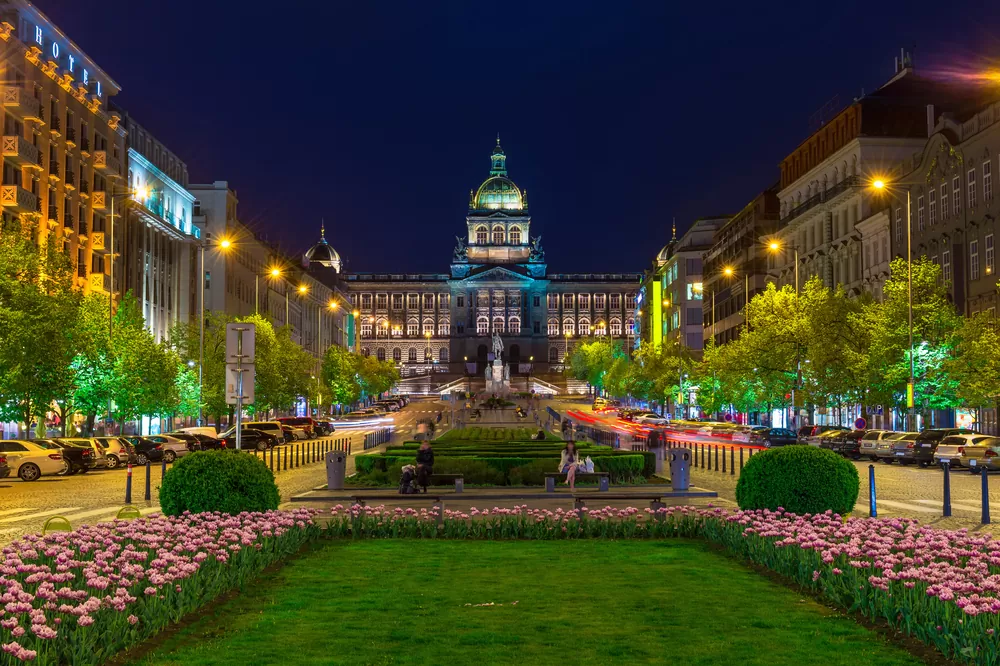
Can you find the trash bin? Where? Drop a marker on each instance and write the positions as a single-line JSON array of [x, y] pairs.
[[336, 469], [680, 468]]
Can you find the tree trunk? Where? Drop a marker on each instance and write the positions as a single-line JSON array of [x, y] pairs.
[[90, 424]]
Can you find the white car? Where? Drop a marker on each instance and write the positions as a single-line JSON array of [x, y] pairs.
[[296, 433], [173, 448], [650, 418], [208, 431], [32, 460]]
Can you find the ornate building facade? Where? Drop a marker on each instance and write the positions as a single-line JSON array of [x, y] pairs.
[[498, 282]]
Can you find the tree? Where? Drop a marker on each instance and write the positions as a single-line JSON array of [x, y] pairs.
[[89, 388], [975, 364], [340, 375], [590, 361], [376, 376]]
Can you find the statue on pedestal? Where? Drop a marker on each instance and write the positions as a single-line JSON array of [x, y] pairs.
[[497, 345], [461, 250]]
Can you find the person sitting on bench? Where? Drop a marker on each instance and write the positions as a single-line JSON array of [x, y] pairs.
[[425, 465], [569, 459], [540, 435]]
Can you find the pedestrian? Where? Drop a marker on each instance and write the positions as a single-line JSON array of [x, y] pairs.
[[569, 459], [439, 417], [425, 465]]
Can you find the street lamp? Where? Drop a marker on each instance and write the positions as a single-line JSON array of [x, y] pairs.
[[224, 245], [730, 272], [273, 273], [775, 246], [566, 350], [880, 185]]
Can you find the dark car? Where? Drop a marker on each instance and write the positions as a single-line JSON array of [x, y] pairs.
[[252, 439], [324, 427], [921, 449], [826, 439], [145, 449], [4, 467], [192, 440], [209, 443], [811, 434], [848, 444], [772, 437], [79, 458]]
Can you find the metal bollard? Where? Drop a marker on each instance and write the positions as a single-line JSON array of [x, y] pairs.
[[128, 485], [286, 458], [272, 459], [732, 461], [986, 497], [946, 508], [149, 477], [723, 461], [872, 508], [298, 455], [741, 460], [717, 458], [163, 469]]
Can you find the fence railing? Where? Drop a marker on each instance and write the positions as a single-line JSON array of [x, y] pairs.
[[302, 453], [376, 438]]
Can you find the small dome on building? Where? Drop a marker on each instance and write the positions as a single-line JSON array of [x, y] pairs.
[[322, 253]]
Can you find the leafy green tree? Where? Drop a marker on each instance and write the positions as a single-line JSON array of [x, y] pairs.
[[975, 364], [377, 377], [340, 375], [89, 387], [186, 390]]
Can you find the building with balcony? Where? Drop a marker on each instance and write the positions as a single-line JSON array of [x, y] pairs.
[[498, 283], [61, 142], [736, 264], [158, 238]]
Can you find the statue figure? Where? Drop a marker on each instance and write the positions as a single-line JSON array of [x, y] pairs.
[[497, 345], [489, 373], [506, 373], [461, 251], [537, 253]]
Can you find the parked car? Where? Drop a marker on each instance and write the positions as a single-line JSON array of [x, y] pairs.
[[99, 460], [32, 460], [847, 444], [826, 439], [4, 467], [173, 447], [208, 431], [144, 449], [650, 418], [252, 439], [304, 422], [116, 451], [770, 437], [872, 440], [898, 447], [811, 434], [207, 443], [79, 457], [324, 427], [952, 447], [984, 454], [927, 442], [292, 433], [272, 428], [390, 405]]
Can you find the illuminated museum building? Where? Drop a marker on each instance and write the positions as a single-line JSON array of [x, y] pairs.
[[498, 282]]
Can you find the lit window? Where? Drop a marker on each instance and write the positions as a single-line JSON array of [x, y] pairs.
[[428, 326], [553, 327], [366, 330], [515, 236], [630, 326], [514, 326], [444, 328], [616, 326], [988, 244], [482, 326], [412, 328], [695, 291], [498, 235], [482, 236], [498, 324], [568, 326], [584, 327]]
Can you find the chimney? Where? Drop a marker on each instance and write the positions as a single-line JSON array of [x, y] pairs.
[[930, 119]]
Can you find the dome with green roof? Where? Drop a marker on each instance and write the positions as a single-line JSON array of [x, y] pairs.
[[498, 192]]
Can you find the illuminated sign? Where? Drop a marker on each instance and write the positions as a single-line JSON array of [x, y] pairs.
[[55, 50]]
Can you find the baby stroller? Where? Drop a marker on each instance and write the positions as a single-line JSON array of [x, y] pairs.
[[408, 481]]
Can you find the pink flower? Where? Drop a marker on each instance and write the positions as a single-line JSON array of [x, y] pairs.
[[132, 619]]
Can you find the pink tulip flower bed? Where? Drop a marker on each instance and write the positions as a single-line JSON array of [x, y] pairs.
[[80, 597], [940, 586]]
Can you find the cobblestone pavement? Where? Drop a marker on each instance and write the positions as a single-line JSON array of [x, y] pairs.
[[98, 495]]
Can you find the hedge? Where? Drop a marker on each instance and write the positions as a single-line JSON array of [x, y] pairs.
[[799, 479], [225, 481]]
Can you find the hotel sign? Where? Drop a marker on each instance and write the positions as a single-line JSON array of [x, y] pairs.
[[55, 51]]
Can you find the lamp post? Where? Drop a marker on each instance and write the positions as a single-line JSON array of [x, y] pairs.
[[775, 246], [566, 348], [224, 245], [880, 185]]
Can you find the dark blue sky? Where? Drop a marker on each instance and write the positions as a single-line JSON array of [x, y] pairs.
[[616, 117]]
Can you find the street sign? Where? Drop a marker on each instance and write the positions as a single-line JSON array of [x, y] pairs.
[[861, 424], [233, 386], [237, 350]]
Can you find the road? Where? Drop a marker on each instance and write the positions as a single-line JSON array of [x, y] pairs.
[[910, 491], [100, 494]]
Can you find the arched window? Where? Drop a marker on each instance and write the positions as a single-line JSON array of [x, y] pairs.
[[514, 326], [411, 355], [366, 329], [568, 326], [584, 326], [498, 235], [616, 326], [482, 326], [498, 324], [381, 329], [553, 326], [553, 354], [515, 235], [380, 354], [444, 328], [428, 326], [600, 328], [412, 327], [482, 235], [630, 326], [428, 355], [397, 354], [443, 354]]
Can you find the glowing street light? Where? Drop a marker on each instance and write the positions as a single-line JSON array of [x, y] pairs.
[[225, 243]]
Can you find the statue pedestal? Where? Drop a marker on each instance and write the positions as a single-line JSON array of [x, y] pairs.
[[496, 382]]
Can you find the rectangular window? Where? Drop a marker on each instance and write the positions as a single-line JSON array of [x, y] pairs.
[[899, 226], [366, 329], [443, 300], [412, 329], [932, 206], [553, 327], [553, 301], [675, 319], [381, 300], [366, 301], [598, 301], [536, 326], [974, 260], [429, 327], [956, 195], [972, 189], [397, 301], [428, 301], [584, 301], [920, 213], [482, 326], [443, 328], [413, 301], [354, 300], [630, 301], [987, 180], [944, 201], [536, 301], [988, 245], [567, 301], [460, 301], [695, 291], [935, 260], [946, 265], [616, 301]]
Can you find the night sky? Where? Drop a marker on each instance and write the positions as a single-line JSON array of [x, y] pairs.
[[616, 117]]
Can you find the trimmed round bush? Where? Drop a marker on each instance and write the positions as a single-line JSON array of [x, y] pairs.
[[224, 481], [800, 479]]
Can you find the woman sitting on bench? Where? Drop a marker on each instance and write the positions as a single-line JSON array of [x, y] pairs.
[[569, 459]]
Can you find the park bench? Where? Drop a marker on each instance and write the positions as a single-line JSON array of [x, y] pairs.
[[395, 497], [580, 501], [603, 480], [457, 479]]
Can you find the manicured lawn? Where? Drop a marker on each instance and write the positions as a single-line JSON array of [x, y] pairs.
[[578, 602]]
